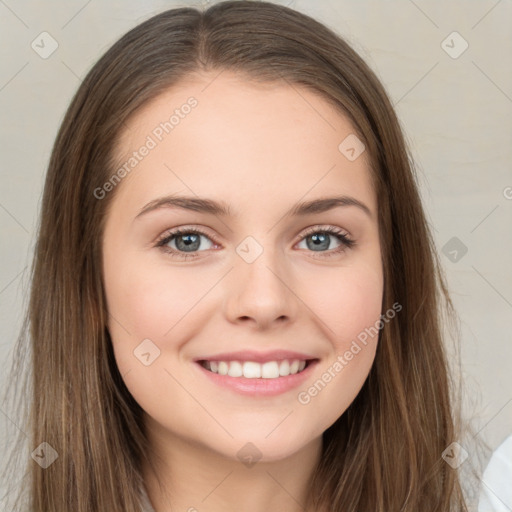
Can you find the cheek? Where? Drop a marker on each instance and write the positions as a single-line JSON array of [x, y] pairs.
[[146, 301], [346, 300]]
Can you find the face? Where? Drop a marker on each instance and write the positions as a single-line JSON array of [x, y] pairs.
[[268, 279]]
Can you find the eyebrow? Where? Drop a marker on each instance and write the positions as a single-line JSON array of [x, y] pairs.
[[209, 206]]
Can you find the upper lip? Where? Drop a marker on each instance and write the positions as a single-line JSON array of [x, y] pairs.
[[257, 357]]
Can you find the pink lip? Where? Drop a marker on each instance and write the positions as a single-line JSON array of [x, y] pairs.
[[259, 387], [257, 357]]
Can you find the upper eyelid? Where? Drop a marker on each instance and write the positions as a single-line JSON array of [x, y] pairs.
[[169, 234], [324, 227]]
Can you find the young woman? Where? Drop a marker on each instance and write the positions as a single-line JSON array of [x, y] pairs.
[[235, 300]]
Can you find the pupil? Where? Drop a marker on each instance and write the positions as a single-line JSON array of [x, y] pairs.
[[320, 240], [188, 243]]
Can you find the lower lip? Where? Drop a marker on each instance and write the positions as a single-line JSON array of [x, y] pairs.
[[259, 387]]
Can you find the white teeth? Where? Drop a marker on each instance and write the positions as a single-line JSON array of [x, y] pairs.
[[223, 368], [284, 368], [252, 370], [270, 370], [235, 369], [294, 367]]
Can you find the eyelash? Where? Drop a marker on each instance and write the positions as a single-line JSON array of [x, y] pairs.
[[346, 241]]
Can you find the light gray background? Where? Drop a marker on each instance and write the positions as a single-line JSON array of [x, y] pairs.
[[456, 113]]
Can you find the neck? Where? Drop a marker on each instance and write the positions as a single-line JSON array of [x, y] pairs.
[[190, 477]]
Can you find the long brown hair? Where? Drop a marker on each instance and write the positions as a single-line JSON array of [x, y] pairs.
[[384, 453]]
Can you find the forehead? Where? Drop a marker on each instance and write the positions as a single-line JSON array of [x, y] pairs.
[[225, 136]]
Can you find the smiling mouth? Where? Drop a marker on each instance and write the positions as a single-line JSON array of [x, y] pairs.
[[253, 370]]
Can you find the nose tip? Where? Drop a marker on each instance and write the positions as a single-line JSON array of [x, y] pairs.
[[258, 292]]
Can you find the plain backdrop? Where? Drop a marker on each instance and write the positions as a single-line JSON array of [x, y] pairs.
[[447, 68]]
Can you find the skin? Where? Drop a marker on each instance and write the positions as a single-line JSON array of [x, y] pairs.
[[249, 145]]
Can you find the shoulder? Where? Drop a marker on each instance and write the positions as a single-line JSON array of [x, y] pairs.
[[496, 491]]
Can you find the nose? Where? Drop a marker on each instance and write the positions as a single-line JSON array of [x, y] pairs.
[[261, 293]]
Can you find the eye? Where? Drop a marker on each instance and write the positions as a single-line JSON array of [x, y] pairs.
[[318, 239], [185, 242]]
